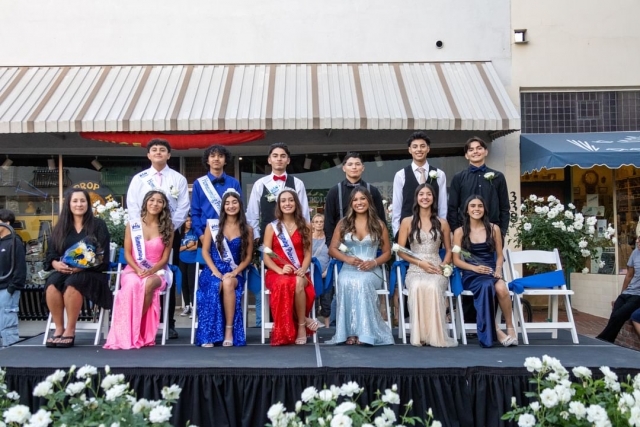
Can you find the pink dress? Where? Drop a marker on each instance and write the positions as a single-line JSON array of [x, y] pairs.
[[129, 328]]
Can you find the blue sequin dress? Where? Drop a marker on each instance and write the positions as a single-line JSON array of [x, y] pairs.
[[357, 303], [484, 292], [211, 322]]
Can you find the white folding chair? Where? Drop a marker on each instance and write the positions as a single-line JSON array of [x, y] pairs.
[[163, 327], [194, 320], [514, 258], [403, 328], [100, 326]]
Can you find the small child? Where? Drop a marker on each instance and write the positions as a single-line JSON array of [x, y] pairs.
[[11, 281]]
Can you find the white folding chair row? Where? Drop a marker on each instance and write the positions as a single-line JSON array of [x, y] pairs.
[[403, 328], [384, 291], [267, 323], [194, 320], [515, 258]]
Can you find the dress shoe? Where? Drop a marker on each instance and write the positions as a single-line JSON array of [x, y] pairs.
[[173, 334]]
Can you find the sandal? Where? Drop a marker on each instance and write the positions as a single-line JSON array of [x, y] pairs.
[[313, 324], [51, 342], [351, 341], [208, 345], [65, 342], [513, 339], [301, 341], [228, 343]]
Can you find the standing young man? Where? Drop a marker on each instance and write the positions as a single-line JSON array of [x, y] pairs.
[[262, 201], [486, 182], [418, 172], [12, 254], [161, 177], [207, 191], [335, 208]]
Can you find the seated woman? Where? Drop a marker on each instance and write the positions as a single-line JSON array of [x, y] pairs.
[[227, 247], [481, 272], [147, 246], [287, 278], [358, 318], [68, 286], [425, 282], [320, 251]]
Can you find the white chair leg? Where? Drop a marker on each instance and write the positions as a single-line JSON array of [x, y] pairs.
[[245, 307], [402, 326], [47, 330], [574, 331], [452, 315], [523, 326], [460, 314], [98, 336]]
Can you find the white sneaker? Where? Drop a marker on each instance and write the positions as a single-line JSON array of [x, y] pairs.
[[185, 311]]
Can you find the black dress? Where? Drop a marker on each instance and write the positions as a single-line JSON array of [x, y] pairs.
[[92, 282]]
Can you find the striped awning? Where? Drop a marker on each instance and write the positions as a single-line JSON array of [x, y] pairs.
[[430, 96]]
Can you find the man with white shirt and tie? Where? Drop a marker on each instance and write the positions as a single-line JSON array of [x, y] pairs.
[[262, 201], [418, 172], [161, 177]]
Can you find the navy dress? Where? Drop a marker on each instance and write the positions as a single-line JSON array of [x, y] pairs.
[[484, 291], [211, 322]]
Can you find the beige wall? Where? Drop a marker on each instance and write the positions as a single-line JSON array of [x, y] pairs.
[[576, 43]]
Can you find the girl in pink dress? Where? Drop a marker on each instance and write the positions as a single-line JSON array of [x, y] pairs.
[[147, 245]]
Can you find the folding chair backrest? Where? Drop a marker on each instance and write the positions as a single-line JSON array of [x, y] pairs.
[[532, 256]]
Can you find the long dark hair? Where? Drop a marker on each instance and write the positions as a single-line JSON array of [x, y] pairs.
[[165, 225], [373, 221], [416, 222], [301, 223], [242, 224], [65, 220], [466, 224]]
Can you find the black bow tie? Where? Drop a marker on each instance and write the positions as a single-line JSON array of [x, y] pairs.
[[349, 184], [478, 168], [218, 180]]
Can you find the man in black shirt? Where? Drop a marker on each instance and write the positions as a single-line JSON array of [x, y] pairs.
[[13, 269], [335, 208], [486, 182]]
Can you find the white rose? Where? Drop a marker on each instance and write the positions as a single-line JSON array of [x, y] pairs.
[[585, 253], [591, 229], [527, 226], [395, 247], [540, 199], [40, 418], [343, 248], [388, 414], [433, 174], [171, 393], [596, 413], [17, 414], [275, 412], [535, 406], [549, 398], [551, 199], [12, 395], [57, 376], [341, 420], [116, 391], [581, 372], [111, 380], [577, 409], [585, 270], [391, 397], [456, 249], [140, 406], [344, 407], [533, 364], [570, 229], [308, 394], [568, 214], [571, 206], [326, 395], [614, 240], [533, 197], [75, 388], [160, 414], [43, 389], [526, 420], [538, 210]]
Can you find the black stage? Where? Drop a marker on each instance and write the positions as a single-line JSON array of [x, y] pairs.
[[235, 386]]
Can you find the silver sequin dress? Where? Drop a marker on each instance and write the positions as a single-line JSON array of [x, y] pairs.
[[426, 297], [357, 303]]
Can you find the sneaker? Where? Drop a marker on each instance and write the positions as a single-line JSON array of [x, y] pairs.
[[185, 311]]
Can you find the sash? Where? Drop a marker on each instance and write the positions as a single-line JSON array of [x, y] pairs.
[[151, 183], [214, 227], [138, 244], [211, 193], [272, 186], [287, 245]]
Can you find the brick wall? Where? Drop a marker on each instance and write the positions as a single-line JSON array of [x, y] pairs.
[[628, 337]]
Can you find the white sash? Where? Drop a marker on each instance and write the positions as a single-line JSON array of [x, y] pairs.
[[226, 256], [286, 244], [139, 255], [211, 193], [151, 182], [137, 240], [272, 186]]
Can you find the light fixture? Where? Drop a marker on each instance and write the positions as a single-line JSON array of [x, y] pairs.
[[51, 163], [239, 158], [307, 162], [378, 159], [520, 36], [8, 162], [96, 164], [336, 160]]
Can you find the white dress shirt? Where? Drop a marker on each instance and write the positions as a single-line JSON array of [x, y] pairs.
[[398, 184], [253, 207], [174, 186]]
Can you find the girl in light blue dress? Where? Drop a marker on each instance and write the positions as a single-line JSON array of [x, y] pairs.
[[356, 241]]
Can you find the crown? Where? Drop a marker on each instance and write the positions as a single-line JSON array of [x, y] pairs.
[[230, 190]]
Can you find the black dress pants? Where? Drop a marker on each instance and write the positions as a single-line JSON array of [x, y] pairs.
[[624, 306]]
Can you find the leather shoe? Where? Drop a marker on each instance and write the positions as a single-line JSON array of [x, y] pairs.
[[173, 334]]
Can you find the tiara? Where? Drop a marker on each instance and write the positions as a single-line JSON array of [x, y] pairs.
[[288, 189], [230, 190]]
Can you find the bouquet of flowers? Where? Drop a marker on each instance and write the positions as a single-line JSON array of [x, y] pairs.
[[548, 225], [115, 217], [447, 269], [585, 401], [322, 408], [84, 254]]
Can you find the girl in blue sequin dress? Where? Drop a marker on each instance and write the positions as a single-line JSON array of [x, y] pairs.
[[362, 233], [226, 248], [482, 272]]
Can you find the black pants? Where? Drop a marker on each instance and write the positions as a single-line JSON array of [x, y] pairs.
[[624, 306], [188, 280]]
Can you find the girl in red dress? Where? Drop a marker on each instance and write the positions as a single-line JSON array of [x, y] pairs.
[[287, 277]]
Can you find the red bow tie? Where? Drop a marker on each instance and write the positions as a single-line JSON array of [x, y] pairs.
[[279, 178]]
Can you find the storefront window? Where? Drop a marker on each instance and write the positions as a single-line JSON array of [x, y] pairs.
[[628, 210]]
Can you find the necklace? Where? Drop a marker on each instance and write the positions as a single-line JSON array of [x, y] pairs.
[[290, 228]]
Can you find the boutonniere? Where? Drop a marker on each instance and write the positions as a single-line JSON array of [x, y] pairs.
[[270, 198], [432, 175], [174, 192], [489, 176]]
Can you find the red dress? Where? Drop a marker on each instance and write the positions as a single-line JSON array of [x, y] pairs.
[[282, 288]]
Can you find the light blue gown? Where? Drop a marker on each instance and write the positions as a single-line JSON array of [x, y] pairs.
[[358, 312]]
